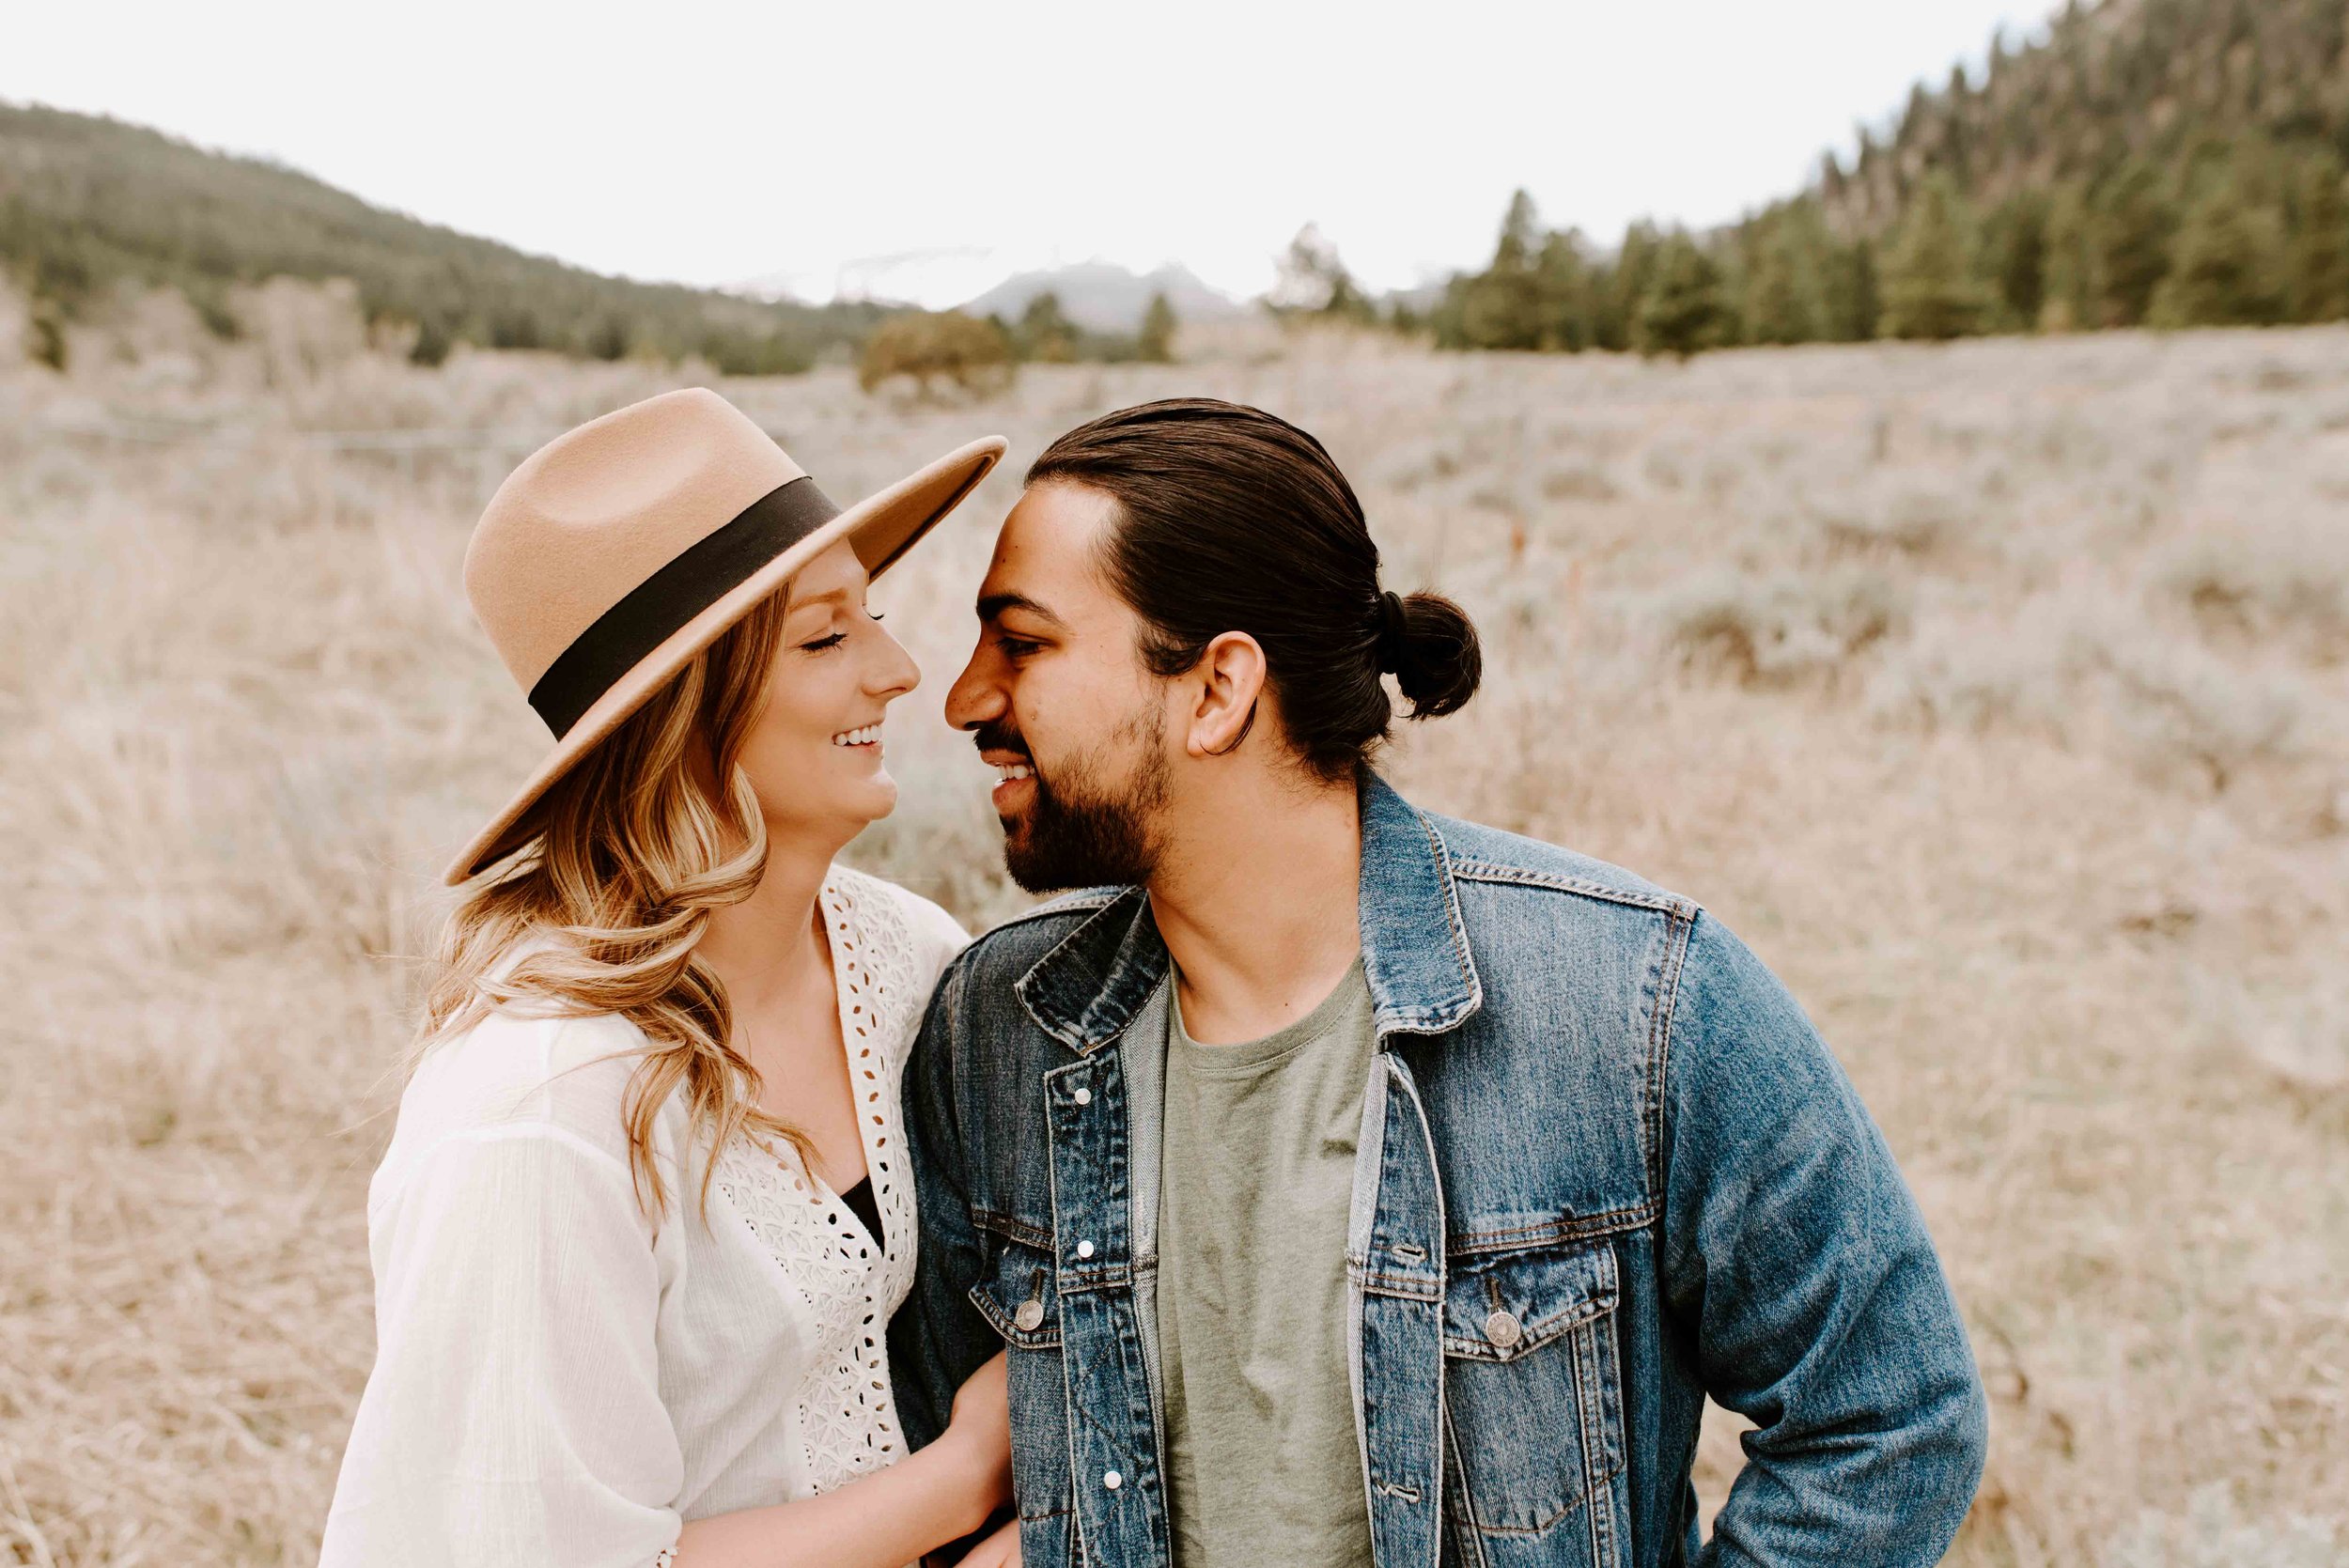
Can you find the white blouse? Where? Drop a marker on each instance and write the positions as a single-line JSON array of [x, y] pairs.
[[561, 1381]]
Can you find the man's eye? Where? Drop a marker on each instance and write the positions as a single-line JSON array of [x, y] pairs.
[[822, 642], [1017, 647]]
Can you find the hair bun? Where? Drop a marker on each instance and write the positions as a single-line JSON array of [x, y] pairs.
[[1435, 654]]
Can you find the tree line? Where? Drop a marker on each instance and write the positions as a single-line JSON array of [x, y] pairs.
[[2167, 163]]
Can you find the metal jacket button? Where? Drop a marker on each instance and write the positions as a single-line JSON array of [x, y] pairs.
[[1083, 1096], [1503, 1329], [1030, 1314], [1085, 1248], [1111, 1480]]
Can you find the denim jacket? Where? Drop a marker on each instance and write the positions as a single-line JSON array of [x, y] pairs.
[[1607, 1168]]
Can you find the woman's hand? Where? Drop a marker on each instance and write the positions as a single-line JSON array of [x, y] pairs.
[[999, 1550], [980, 1430]]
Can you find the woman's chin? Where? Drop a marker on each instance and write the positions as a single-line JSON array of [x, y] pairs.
[[846, 813]]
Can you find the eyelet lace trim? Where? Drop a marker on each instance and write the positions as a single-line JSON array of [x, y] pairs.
[[849, 1282]]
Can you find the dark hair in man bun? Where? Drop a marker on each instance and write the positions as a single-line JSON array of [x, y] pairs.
[[1231, 519], [1431, 647]]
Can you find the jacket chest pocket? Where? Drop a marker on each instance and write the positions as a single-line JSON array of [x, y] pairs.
[[1017, 1296], [1533, 1402]]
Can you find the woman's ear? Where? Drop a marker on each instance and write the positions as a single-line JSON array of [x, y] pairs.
[[1226, 684]]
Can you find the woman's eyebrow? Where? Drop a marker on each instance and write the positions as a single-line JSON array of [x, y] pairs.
[[833, 596]]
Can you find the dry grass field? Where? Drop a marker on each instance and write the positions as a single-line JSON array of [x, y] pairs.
[[1999, 694]]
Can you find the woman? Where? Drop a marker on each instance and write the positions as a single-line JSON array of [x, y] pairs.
[[645, 1216]]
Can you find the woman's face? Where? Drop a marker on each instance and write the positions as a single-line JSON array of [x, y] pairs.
[[814, 754]]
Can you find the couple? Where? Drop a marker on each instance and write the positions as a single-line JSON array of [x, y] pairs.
[[1327, 1181]]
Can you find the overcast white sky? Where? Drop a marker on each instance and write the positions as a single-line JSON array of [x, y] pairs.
[[923, 151]]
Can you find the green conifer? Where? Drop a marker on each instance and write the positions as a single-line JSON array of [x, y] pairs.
[[2131, 227], [1929, 286], [1155, 343], [1785, 299], [1684, 311], [2320, 242], [2069, 295], [2014, 245], [2228, 263], [1616, 296], [1045, 332]]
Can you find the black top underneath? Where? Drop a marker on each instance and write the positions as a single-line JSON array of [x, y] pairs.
[[860, 1200]]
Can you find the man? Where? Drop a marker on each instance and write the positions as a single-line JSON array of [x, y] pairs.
[[1353, 1185]]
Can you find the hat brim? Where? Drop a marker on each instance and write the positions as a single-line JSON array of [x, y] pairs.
[[880, 528]]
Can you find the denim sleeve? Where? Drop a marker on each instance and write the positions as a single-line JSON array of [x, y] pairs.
[[1797, 1261], [937, 1338]]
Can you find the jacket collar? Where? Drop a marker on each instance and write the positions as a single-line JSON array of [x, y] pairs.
[[1415, 949]]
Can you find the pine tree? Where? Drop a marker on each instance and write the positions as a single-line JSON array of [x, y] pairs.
[[2320, 242], [1683, 312], [1045, 332], [1617, 293], [1854, 301], [1520, 234], [1502, 308], [1929, 286], [2228, 263], [1314, 281], [1563, 285], [1785, 292], [2014, 245], [2131, 227], [2069, 294], [1155, 341]]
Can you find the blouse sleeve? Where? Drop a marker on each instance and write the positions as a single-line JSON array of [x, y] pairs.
[[514, 1414]]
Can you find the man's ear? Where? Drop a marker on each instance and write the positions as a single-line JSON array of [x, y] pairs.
[[1225, 686]]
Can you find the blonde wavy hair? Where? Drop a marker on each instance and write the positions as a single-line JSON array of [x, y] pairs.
[[629, 853]]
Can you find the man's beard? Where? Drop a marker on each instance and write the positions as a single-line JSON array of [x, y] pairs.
[[1080, 831]]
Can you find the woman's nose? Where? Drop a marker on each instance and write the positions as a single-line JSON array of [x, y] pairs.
[[895, 673]]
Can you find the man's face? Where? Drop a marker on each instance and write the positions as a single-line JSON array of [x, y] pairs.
[[1061, 703]]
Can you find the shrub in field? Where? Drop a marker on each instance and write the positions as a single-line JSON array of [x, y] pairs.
[[970, 353], [2185, 707], [2284, 577], [1910, 520], [1781, 626]]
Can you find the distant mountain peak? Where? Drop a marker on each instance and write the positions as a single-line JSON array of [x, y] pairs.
[[1104, 296]]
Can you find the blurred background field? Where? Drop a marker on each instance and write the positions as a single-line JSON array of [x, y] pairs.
[[1997, 692]]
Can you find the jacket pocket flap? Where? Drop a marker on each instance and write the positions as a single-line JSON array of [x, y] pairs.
[[1017, 1298], [1496, 1308]]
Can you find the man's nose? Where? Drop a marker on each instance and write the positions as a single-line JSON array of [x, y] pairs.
[[975, 697]]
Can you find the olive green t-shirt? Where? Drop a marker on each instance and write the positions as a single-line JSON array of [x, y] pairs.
[[1257, 1180]]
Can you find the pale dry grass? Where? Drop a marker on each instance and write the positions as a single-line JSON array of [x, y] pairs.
[[1995, 694]]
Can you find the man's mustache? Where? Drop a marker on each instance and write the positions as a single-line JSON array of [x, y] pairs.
[[996, 735]]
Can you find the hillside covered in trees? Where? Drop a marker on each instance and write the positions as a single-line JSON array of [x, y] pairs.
[[2154, 163], [90, 204]]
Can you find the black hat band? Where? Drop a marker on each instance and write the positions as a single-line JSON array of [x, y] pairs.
[[655, 609]]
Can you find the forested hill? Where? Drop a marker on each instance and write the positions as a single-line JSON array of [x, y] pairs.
[[90, 203], [2165, 85], [2163, 163]]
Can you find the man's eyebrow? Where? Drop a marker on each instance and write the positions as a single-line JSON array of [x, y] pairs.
[[993, 605]]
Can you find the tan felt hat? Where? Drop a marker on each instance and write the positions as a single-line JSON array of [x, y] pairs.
[[619, 549]]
